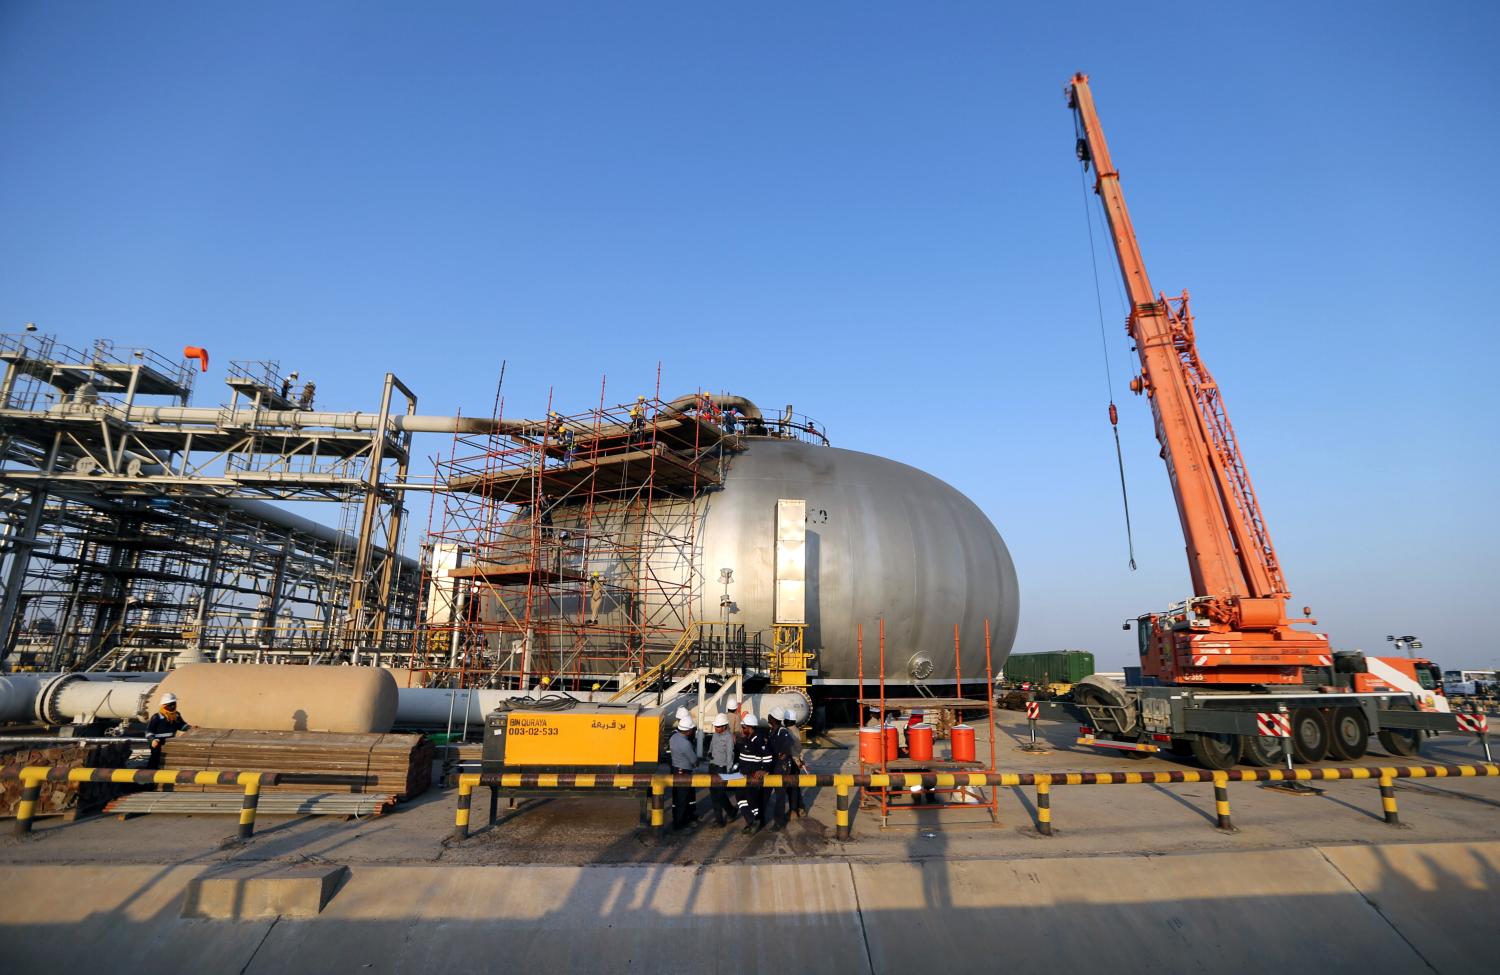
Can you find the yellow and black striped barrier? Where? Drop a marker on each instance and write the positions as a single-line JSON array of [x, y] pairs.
[[1041, 781], [32, 777], [1221, 802], [1388, 800]]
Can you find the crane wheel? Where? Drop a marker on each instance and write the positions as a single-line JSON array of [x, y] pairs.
[[1401, 742], [1262, 752], [1215, 752], [1351, 735], [1310, 734]]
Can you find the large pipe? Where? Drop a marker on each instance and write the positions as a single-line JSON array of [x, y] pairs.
[[724, 401], [306, 526], [437, 707], [358, 421], [355, 421], [69, 698]]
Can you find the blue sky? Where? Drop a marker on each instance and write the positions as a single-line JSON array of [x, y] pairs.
[[869, 210]]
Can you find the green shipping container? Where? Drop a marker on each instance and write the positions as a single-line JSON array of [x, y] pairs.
[[1052, 667]]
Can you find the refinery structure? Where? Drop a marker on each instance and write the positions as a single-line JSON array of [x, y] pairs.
[[573, 550], [267, 607]]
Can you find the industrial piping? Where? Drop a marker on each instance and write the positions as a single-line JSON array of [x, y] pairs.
[[66, 698]]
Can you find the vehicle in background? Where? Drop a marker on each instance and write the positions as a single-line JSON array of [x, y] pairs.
[[1228, 664], [1470, 683], [1051, 673]]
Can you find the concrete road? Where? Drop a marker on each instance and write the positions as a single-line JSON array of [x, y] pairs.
[[1136, 878], [1382, 909]]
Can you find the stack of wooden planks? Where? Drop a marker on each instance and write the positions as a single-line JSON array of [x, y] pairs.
[[62, 797], [396, 764]]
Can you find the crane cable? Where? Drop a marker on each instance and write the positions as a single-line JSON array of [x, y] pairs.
[[1114, 414]]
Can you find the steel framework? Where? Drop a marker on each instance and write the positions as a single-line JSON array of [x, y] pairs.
[[131, 521]]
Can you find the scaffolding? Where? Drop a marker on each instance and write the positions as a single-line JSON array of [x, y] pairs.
[[134, 526], [565, 552], [951, 711]]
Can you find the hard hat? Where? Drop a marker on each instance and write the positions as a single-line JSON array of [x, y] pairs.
[[683, 714], [722, 721], [684, 724], [788, 717], [640, 399], [168, 698], [733, 705], [749, 721], [773, 715]]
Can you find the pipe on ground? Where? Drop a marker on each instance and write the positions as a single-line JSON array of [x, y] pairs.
[[278, 697]]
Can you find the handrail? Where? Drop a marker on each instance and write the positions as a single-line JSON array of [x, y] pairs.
[[650, 676], [32, 777]]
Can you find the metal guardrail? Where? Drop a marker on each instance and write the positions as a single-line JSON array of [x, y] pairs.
[[32, 777], [1043, 782]]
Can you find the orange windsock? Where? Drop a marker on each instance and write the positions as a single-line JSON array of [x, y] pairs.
[[193, 352]]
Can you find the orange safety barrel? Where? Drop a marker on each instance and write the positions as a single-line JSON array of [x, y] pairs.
[[961, 738], [892, 743], [919, 742], [871, 746]]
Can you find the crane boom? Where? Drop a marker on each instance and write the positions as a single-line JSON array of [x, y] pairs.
[[1238, 610]]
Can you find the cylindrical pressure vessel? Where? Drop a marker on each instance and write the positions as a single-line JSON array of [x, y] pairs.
[[273, 697]]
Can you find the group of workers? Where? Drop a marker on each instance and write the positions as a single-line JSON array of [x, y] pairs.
[[741, 745]]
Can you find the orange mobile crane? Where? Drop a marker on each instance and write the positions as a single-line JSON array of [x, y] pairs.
[[1231, 641]]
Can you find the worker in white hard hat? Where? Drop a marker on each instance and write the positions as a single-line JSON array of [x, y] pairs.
[[732, 709], [164, 724], [777, 800], [684, 759], [721, 762], [792, 744], [683, 714], [755, 762]]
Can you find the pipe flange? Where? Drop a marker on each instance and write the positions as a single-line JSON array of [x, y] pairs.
[[46, 701], [798, 691]]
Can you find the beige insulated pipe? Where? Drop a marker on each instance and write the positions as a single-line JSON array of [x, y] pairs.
[[274, 697]]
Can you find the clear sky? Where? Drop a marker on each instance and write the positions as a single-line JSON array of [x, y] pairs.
[[868, 210]]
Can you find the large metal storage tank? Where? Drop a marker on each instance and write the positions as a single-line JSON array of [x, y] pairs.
[[883, 540]]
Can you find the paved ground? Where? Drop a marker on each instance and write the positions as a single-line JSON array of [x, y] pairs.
[[1372, 910], [1089, 820], [1136, 878]]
